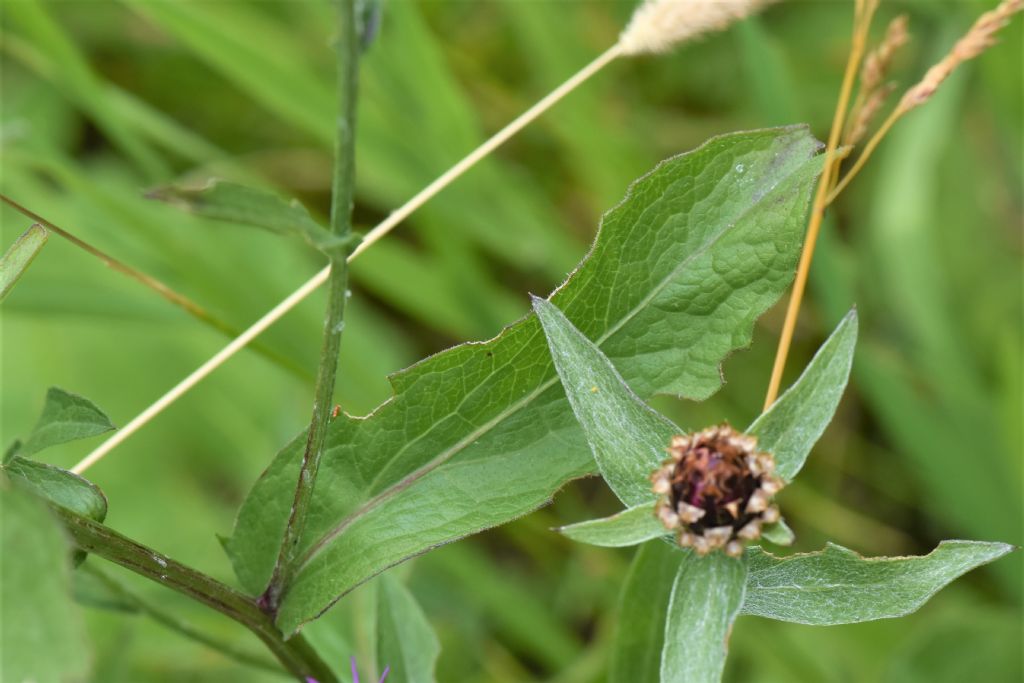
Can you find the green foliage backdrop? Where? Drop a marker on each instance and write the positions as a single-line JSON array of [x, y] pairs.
[[104, 100]]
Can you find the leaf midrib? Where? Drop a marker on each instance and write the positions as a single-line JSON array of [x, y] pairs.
[[447, 454]]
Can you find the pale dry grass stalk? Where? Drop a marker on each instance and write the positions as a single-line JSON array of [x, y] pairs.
[[979, 38], [864, 11], [656, 26]]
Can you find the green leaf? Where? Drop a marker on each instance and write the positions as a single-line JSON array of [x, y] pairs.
[[838, 586], [17, 259], [629, 527], [627, 437], [11, 451], [643, 607], [706, 597], [234, 203], [66, 417], [58, 486], [405, 641], [42, 638], [778, 533], [790, 428], [482, 433]]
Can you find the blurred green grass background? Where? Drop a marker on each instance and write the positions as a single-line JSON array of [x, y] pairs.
[[102, 100]]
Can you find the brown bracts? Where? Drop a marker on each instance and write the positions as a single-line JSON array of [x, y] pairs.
[[716, 490]]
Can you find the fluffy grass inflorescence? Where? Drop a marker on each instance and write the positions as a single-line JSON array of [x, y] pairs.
[[660, 25]]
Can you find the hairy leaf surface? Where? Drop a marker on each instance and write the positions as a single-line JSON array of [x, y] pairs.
[[643, 606], [482, 433], [838, 586], [629, 527], [706, 598], [628, 437], [794, 423]]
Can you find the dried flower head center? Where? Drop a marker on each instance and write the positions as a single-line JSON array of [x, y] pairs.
[[716, 479], [716, 489]]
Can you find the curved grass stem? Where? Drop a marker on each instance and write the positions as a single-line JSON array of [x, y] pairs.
[[164, 291], [374, 236], [864, 11]]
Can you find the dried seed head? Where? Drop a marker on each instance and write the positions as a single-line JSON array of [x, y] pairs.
[[659, 25], [975, 41], [719, 490], [876, 64]]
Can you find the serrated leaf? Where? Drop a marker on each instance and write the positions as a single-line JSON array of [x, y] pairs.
[[627, 437], [244, 205], [406, 643], [838, 586], [706, 597], [19, 256], [794, 423], [482, 433], [66, 417], [42, 637], [629, 527], [643, 606], [58, 486]]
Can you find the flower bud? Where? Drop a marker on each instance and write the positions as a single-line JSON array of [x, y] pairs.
[[716, 490]]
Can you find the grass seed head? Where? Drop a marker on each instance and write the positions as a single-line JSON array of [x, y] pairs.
[[979, 38], [660, 25]]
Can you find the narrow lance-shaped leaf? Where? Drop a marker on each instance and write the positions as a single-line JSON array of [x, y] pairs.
[[234, 203], [794, 423], [17, 259], [629, 527], [42, 638], [627, 437], [706, 597], [482, 433], [838, 586], [643, 606], [66, 417], [406, 643]]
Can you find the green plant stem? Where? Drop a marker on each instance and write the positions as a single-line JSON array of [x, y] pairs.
[[177, 625], [342, 192], [295, 654]]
